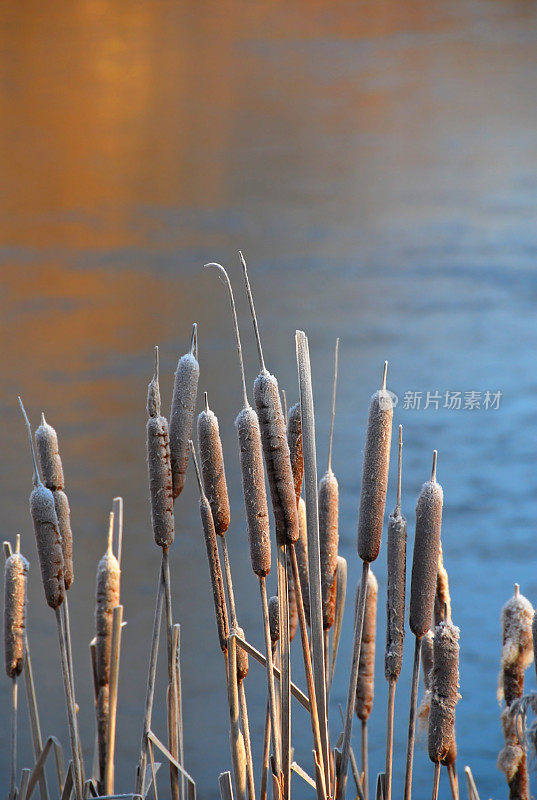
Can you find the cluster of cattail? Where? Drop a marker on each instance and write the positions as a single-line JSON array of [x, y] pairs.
[[277, 447]]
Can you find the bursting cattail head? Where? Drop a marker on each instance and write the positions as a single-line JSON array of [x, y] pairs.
[[365, 688], [395, 603], [427, 644], [442, 600], [212, 468], [294, 440], [517, 650], [301, 550], [375, 473], [425, 558], [47, 533], [106, 599], [185, 390], [253, 486], [444, 690], [15, 579], [159, 466], [48, 455], [274, 618]]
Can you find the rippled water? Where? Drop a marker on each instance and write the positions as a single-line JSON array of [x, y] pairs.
[[377, 164]]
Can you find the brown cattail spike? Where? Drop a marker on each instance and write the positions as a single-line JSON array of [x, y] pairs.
[[375, 473], [212, 466], [294, 440], [47, 534], [213, 558], [48, 454], [274, 441], [395, 606], [425, 558], [185, 389], [15, 580], [159, 466], [274, 619], [366, 671], [444, 690]]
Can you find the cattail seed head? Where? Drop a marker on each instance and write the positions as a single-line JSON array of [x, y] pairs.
[[274, 618], [365, 687], [444, 690], [328, 542], [301, 550], [517, 651], [63, 512], [49, 544], [253, 486], [159, 466], [48, 455], [277, 458], [329, 609], [294, 440], [395, 604], [106, 599], [375, 475], [425, 558], [185, 390], [15, 579], [242, 656], [442, 600], [212, 469]]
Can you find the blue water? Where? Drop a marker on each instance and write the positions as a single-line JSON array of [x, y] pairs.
[[377, 164]]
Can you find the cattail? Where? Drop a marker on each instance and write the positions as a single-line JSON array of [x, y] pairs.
[[395, 605], [48, 455], [47, 533], [212, 468], [442, 600], [63, 512], [366, 669], [328, 500], [329, 606], [15, 578], [444, 690], [425, 559], [242, 656], [274, 619], [158, 461], [301, 550], [185, 390], [274, 441], [293, 608], [106, 599], [213, 558], [375, 473], [294, 440], [427, 661], [517, 650]]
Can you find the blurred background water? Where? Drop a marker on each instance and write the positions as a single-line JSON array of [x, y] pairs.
[[377, 164]]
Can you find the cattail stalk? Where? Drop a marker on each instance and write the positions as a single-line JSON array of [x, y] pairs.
[[395, 625], [115, 652], [370, 521], [422, 593]]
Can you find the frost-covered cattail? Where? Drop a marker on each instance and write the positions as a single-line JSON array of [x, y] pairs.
[[274, 441], [517, 654], [212, 468], [395, 604], [106, 599], [159, 466], [185, 390], [274, 618], [375, 473], [365, 688], [425, 559], [47, 533], [15, 580], [48, 456], [444, 690], [213, 558], [294, 440]]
